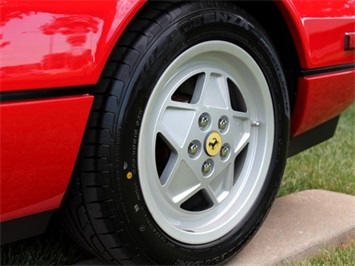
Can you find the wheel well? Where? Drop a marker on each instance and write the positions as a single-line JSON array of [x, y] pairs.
[[271, 19]]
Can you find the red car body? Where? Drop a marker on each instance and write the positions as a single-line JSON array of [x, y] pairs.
[[51, 53]]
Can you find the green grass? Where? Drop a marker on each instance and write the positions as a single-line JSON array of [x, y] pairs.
[[340, 256], [328, 166]]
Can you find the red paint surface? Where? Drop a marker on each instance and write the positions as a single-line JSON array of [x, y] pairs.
[[318, 29], [39, 144], [64, 43], [321, 98]]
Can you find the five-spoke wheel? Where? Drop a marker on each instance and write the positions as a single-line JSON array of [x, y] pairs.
[[206, 142]]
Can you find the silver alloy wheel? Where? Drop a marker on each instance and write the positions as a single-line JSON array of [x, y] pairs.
[[206, 142]]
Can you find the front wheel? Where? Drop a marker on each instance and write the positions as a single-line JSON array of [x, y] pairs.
[[187, 141], [206, 142]]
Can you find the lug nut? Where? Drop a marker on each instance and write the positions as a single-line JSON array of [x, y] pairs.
[[193, 149], [203, 121], [207, 167], [223, 123], [224, 152]]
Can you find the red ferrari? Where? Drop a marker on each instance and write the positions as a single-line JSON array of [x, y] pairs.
[[161, 129]]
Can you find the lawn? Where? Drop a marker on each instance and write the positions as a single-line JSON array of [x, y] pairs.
[[328, 166], [343, 255]]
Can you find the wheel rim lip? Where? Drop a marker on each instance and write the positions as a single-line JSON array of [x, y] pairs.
[[179, 223]]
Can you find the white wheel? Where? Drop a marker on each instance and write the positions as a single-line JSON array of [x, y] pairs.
[[206, 142]]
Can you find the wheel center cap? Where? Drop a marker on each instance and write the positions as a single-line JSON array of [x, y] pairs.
[[213, 143]]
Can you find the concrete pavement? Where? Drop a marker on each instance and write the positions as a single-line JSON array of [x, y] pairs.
[[299, 225]]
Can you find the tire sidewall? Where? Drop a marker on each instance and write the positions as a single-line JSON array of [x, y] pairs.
[[177, 36]]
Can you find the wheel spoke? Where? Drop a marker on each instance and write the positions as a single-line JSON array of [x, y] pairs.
[[176, 123], [181, 182], [214, 91], [241, 143], [222, 183]]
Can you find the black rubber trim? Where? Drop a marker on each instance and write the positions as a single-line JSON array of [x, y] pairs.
[[43, 94], [313, 137], [24, 227], [327, 70]]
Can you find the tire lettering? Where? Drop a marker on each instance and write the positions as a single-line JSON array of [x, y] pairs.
[[197, 21], [136, 208], [154, 230], [137, 191], [212, 261], [211, 17], [159, 50], [185, 27], [221, 17], [134, 151]]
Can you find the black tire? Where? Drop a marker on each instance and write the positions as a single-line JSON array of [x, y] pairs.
[[111, 208]]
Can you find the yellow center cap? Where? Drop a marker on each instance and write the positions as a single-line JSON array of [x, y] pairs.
[[213, 143]]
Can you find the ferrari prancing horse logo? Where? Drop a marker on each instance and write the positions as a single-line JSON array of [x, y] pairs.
[[213, 143]]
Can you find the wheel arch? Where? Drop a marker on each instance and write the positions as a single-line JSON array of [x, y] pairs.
[[270, 17]]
